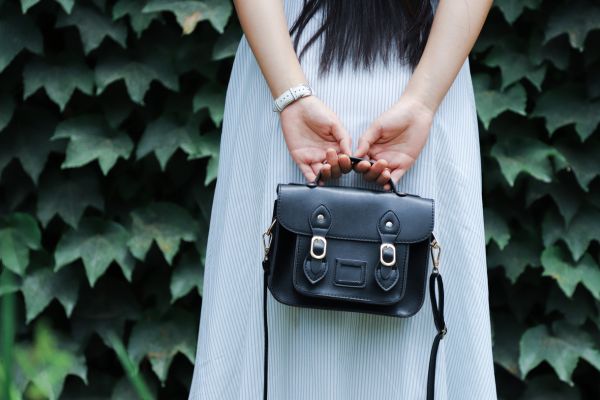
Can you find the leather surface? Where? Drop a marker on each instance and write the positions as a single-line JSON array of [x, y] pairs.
[[353, 238], [354, 212]]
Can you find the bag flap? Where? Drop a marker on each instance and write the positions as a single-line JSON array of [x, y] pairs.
[[355, 212]]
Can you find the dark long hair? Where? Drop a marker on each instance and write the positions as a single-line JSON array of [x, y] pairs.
[[360, 31]]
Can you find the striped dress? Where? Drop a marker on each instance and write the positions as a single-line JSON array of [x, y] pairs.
[[325, 354]]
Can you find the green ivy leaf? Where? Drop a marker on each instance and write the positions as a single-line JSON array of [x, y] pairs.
[[68, 196], [91, 138], [7, 107], [558, 266], [137, 75], [227, 44], [512, 9], [518, 153], [160, 340], [49, 360], [515, 63], [164, 136], [67, 5], [9, 282], [93, 26], [28, 140], [165, 223], [211, 96], [520, 252], [547, 387], [59, 79], [43, 285], [491, 102], [565, 193], [139, 20], [576, 310], [581, 159], [190, 12], [576, 19], [18, 32], [582, 230], [496, 228], [505, 334], [98, 243], [208, 145], [19, 234], [188, 274], [561, 350], [566, 105]]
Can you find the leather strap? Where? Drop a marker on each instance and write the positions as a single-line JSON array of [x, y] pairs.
[[437, 307]]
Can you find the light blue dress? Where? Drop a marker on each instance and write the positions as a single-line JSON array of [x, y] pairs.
[[324, 354]]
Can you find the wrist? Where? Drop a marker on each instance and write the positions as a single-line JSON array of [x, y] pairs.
[[422, 91]]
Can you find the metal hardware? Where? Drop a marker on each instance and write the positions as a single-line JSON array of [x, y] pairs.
[[436, 250], [312, 250], [320, 217], [389, 224], [267, 237], [387, 263]]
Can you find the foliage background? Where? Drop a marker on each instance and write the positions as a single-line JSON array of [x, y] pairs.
[[110, 113]]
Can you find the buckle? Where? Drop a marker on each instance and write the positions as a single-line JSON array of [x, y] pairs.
[[387, 263], [312, 249]]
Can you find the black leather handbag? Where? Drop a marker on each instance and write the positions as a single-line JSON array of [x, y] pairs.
[[353, 249]]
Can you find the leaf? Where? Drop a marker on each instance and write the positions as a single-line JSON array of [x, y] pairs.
[[190, 12], [227, 44], [512, 9], [576, 310], [515, 63], [98, 243], [565, 193], [581, 159], [49, 360], [9, 282], [67, 5], [188, 274], [520, 252], [211, 96], [160, 340], [7, 107], [565, 105], [582, 230], [19, 234], [59, 79], [43, 285], [91, 138], [137, 75], [68, 196], [576, 19], [516, 153], [561, 349], [496, 228], [28, 140], [506, 333], [18, 32], [547, 387], [93, 26], [208, 145], [491, 103], [166, 224], [164, 136], [133, 8], [558, 266]]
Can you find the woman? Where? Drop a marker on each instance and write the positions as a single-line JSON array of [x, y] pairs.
[[419, 124]]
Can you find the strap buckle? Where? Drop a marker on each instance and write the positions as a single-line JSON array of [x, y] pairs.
[[384, 246], [312, 247]]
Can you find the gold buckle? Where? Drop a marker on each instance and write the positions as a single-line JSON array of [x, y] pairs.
[[312, 242], [386, 263]]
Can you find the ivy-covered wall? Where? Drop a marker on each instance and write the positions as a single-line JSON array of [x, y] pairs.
[[110, 116]]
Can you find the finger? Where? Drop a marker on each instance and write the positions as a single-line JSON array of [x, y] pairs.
[[362, 166], [345, 163], [342, 136], [332, 160], [397, 174], [369, 137], [326, 172], [376, 170], [384, 177], [308, 172]]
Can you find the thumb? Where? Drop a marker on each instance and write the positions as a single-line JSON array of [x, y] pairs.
[[370, 136]]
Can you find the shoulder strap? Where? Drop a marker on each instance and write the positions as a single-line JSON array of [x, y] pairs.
[[437, 306]]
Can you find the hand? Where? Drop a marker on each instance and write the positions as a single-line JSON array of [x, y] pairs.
[[313, 133], [394, 140]]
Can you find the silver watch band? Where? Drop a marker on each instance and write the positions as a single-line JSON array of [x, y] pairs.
[[291, 95]]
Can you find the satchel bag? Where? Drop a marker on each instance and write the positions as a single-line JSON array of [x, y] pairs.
[[352, 249]]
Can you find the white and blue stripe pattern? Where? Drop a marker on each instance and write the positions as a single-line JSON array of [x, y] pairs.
[[323, 354]]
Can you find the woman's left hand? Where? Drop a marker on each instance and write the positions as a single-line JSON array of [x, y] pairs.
[[394, 140]]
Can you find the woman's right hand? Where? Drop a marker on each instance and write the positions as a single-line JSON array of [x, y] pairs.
[[313, 133]]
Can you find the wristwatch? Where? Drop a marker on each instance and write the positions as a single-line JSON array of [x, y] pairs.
[[291, 95]]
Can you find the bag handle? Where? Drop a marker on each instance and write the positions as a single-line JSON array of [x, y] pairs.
[[354, 161]]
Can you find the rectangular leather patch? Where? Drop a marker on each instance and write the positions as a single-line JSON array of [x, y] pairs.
[[350, 273]]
